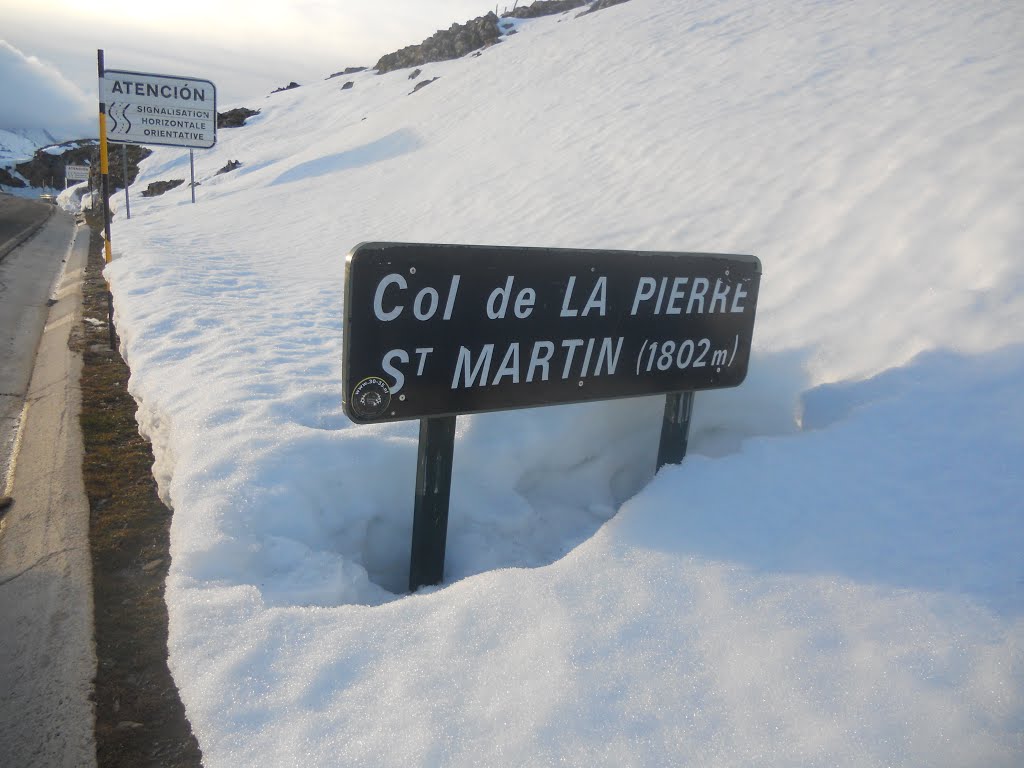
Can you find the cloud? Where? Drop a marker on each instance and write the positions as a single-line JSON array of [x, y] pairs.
[[246, 49], [36, 95]]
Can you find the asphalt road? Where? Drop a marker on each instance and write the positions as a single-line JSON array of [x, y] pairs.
[[19, 217], [27, 275], [47, 654]]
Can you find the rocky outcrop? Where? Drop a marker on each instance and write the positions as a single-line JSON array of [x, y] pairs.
[[544, 8], [422, 84], [346, 71], [7, 180], [444, 45], [157, 188], [460, 39], [46, 168], [235, 118], [136, 154], [599, 5], [231, 165], [288, 87]]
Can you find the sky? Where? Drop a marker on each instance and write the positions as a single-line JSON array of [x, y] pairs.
[[48, 50]]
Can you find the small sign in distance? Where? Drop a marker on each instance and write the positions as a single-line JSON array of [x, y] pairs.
[[76, 172]]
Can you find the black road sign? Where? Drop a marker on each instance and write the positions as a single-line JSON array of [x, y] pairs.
[[433, 330]]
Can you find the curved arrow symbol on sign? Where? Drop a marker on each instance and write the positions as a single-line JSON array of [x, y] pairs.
[[122, 126]]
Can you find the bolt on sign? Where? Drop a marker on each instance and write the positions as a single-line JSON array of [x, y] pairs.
[[146, 108], [437, 330]]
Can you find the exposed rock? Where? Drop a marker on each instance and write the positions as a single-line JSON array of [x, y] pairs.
[[288, 87], [157, 188], [415, 73], [347, 71], [10, 181], [235, 118], [136, 154], [46, 168], [443, 45], [544, 8], [230, 166], [600, 5], [422, 84], [348, 86]]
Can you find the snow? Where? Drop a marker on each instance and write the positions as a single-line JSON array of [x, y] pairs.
[[832, 577], [59, 149], [75, 198], [18, 146]]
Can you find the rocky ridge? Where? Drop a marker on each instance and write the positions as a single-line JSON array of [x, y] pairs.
[[453, 43], [478, 33]]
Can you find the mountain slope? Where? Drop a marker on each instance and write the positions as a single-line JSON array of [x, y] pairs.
[[832, 576], [18, 146]]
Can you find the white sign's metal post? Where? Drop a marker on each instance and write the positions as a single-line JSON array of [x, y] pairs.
[[192, 173], [127, 202]]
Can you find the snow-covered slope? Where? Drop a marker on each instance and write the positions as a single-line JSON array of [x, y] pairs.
[[19, 146], [833, 577]]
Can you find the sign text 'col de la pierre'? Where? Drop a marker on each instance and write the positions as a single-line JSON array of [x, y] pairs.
[[145, 108], [435, 330]]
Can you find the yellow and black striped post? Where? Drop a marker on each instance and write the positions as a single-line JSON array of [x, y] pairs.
[[105, 173]]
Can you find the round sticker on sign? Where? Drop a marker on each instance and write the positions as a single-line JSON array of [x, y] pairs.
[[371, 397]]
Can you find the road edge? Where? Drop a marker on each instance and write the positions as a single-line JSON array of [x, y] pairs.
[[13, 242], [48, 525]]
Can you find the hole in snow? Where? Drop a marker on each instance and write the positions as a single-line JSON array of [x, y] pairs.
[[528, 487]]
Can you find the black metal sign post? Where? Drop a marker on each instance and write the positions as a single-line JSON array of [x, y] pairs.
[[675, 428], [105, 176], [433, 490], [433, 331]]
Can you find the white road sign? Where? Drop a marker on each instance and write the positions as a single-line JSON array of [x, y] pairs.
[[159, 109], [76, 172]]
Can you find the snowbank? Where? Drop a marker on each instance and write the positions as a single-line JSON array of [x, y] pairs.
[[832, 577]]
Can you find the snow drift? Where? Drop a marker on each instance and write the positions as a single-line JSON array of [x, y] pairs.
[[832, 577]]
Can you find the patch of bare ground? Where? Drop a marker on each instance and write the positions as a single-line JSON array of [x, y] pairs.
[[140, 720]]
